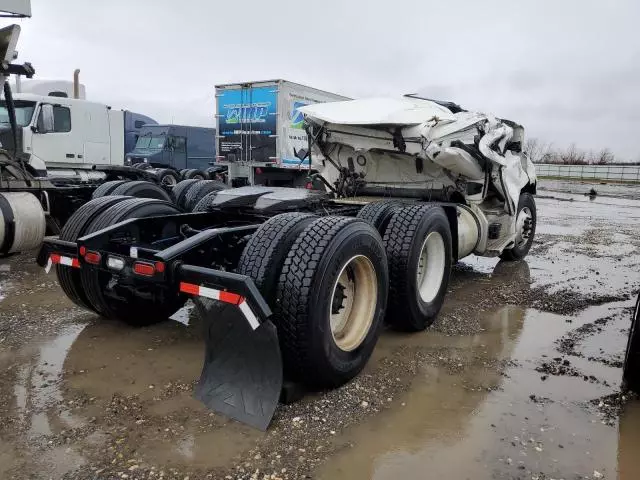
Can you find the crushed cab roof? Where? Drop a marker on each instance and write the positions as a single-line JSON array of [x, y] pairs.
[[378, 111]]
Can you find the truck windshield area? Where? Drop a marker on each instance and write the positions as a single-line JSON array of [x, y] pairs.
[[24, 112], [151, 142]]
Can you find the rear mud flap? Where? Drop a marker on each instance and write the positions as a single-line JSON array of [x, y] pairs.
[[242, 373]]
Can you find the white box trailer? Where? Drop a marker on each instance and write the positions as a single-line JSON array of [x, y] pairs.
[[260, 130]]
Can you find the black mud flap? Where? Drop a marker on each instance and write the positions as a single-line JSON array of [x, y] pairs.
[[242, 373]]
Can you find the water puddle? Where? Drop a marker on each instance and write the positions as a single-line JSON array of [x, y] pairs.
[[476, 422], [112, 358], [206, 450], [37, 388], [606, 191], [629, 442]]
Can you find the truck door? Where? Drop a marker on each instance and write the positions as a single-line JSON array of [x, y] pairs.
[[259, 123], [178, 151], [60, 143], [247, 123]]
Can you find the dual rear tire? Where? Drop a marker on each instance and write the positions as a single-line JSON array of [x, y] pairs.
[[417, 241], [327, 281], [330, 281], [418, 244], [136, 188], [188, 193], [102, 292], [69, 278]]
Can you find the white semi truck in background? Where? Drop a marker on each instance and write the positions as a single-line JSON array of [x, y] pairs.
[[65, 136], [60, 133]]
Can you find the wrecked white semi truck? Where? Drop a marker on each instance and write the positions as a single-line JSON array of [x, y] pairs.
[[297, 283], [417, 148]]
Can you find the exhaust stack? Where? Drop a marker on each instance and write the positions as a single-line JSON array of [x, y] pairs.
[[76, 83]]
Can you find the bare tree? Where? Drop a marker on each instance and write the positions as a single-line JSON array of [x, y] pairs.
[[532, 149], [536, 150], [573, 156], [540, 152], [605, 157]]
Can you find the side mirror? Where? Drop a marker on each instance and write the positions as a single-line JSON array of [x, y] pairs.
[[45, 119]]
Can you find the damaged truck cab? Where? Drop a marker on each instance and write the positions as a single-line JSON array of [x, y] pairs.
[[429, 151], [297, 283]]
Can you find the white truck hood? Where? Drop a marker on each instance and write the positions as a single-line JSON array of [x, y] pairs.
[[378, 111]]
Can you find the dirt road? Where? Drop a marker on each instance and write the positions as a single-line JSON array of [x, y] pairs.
[[518, 378]]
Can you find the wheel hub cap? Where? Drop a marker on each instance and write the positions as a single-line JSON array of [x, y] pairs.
[[524, 226], [431, 265], [353, 303]]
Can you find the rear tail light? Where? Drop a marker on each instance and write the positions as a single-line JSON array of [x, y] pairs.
[[144, 269], [92, 257], [115, 263], [83, 251]]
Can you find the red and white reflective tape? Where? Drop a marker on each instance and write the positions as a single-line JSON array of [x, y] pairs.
[[222, 296], [57, 259]]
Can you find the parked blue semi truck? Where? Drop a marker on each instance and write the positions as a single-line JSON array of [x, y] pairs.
[[177, 147], [134, 125]]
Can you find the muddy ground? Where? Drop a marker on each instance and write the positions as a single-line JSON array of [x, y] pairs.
[[518, 378]]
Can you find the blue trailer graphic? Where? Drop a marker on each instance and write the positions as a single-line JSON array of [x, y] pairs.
[[247, 119]]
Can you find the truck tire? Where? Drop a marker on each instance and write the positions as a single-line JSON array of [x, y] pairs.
[[525, 228], [418, 246], [199, 191], [182, 172], [179, 192], [69, 278], [168, 177], [194, 174], [106, 188], [142, 166], [148, 306], [206, 203], [379, 214], [631, 366], [142, 189], [326, 331], [267, 249]]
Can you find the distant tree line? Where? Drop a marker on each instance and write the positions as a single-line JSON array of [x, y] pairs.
[[540, 152]]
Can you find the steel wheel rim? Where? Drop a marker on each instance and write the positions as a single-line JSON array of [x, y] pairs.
[[523, 228], [431, 265], [351, 312], [169, 180]]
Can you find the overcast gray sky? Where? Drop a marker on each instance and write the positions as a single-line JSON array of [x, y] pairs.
[[568, 70]]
